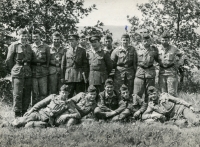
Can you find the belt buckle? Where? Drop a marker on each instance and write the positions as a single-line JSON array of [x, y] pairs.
[[38, 64], [25, 63]]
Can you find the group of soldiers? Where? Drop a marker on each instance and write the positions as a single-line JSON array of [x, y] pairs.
[[69, 83]]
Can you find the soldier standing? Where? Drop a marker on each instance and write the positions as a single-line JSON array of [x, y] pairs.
[[56, 55], [108, 44], [124, 62], [168, 74], [99, 62], [18, 61], [75, 66], [40, 67], [145, 74]]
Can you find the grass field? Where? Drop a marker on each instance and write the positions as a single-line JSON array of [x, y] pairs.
[[101, 134]]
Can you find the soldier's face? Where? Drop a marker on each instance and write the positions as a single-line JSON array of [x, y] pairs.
[[108, 42], [73, 43], [56, 41], [125, 41], [95, 44], [83, 41], [164, 41], [64, 95], [109, 89], [23, 38], [125, 94], [92, 96], [146, 41], [36, 38], [153, 96]]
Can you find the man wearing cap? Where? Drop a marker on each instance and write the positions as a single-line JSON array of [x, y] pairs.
[[56, 55], [147, 54], [49, 111], [169, 57], [74, 66], [40, 67], [108, 44], [18, 61], [99, 62], [167, 107], [85, 102], [125, 63]]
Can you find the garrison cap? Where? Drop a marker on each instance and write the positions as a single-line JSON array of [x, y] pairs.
[[109, 82], [125, 36], [91, 88], [166, 34], [151, 89], [64, 88], [146, 36], [94, 37], [123, 87], [73, 36]]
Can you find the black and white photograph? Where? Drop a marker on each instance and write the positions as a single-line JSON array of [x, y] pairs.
[[100, 73]]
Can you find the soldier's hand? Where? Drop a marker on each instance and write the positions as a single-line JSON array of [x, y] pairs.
[[136, 114], [110, 114], [62, 81]]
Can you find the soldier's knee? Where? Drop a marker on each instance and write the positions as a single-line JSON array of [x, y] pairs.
[[97, 110]]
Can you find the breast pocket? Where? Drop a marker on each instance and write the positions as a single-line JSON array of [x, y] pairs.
[[41, 55]]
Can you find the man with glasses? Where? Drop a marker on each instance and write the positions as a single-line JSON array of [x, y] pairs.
[[124, 62], [74, 66], [147, 54]]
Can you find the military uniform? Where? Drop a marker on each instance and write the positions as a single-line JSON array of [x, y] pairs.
[[50, 109], [56, 55], [74, 66], [125, 63], [40, 71], [145, 74], [172, 108], [168, 74], [18, 60], [100, 66], [108, 50]]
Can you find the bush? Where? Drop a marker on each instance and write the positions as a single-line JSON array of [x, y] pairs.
[[6, 91]]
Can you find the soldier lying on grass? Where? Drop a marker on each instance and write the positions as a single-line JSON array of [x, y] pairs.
[[167, 107], [85, 103], [49, 111]]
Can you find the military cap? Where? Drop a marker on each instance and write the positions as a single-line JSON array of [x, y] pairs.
[[73, 36], [146, 36], [123, 87], [109, 82], [166, 34], [94, 37], [151, 89], [64, 88], [125, 36], [91, 88], [108, 37]]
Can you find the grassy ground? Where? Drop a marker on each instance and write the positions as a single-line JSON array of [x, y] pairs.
[[90, 134]]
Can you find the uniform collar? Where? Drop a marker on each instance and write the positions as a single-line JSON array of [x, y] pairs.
[[55, 49], [109, 50], [121, 48], [107, 96], [34, 44], [99, 50]]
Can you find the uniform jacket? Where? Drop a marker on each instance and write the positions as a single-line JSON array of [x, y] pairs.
[[168, 60], [139, 104], [54, 106], [83, 104], [125, 60], [41, 58], [100, 66], [18, 60], [56, 55], [74, 64], [164, 106], [146, 59]]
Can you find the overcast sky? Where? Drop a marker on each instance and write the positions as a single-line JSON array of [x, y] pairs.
[[111, 12]]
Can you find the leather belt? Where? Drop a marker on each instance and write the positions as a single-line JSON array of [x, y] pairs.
[[145, 67], [167, 66], [38, 64], [57, 65]]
